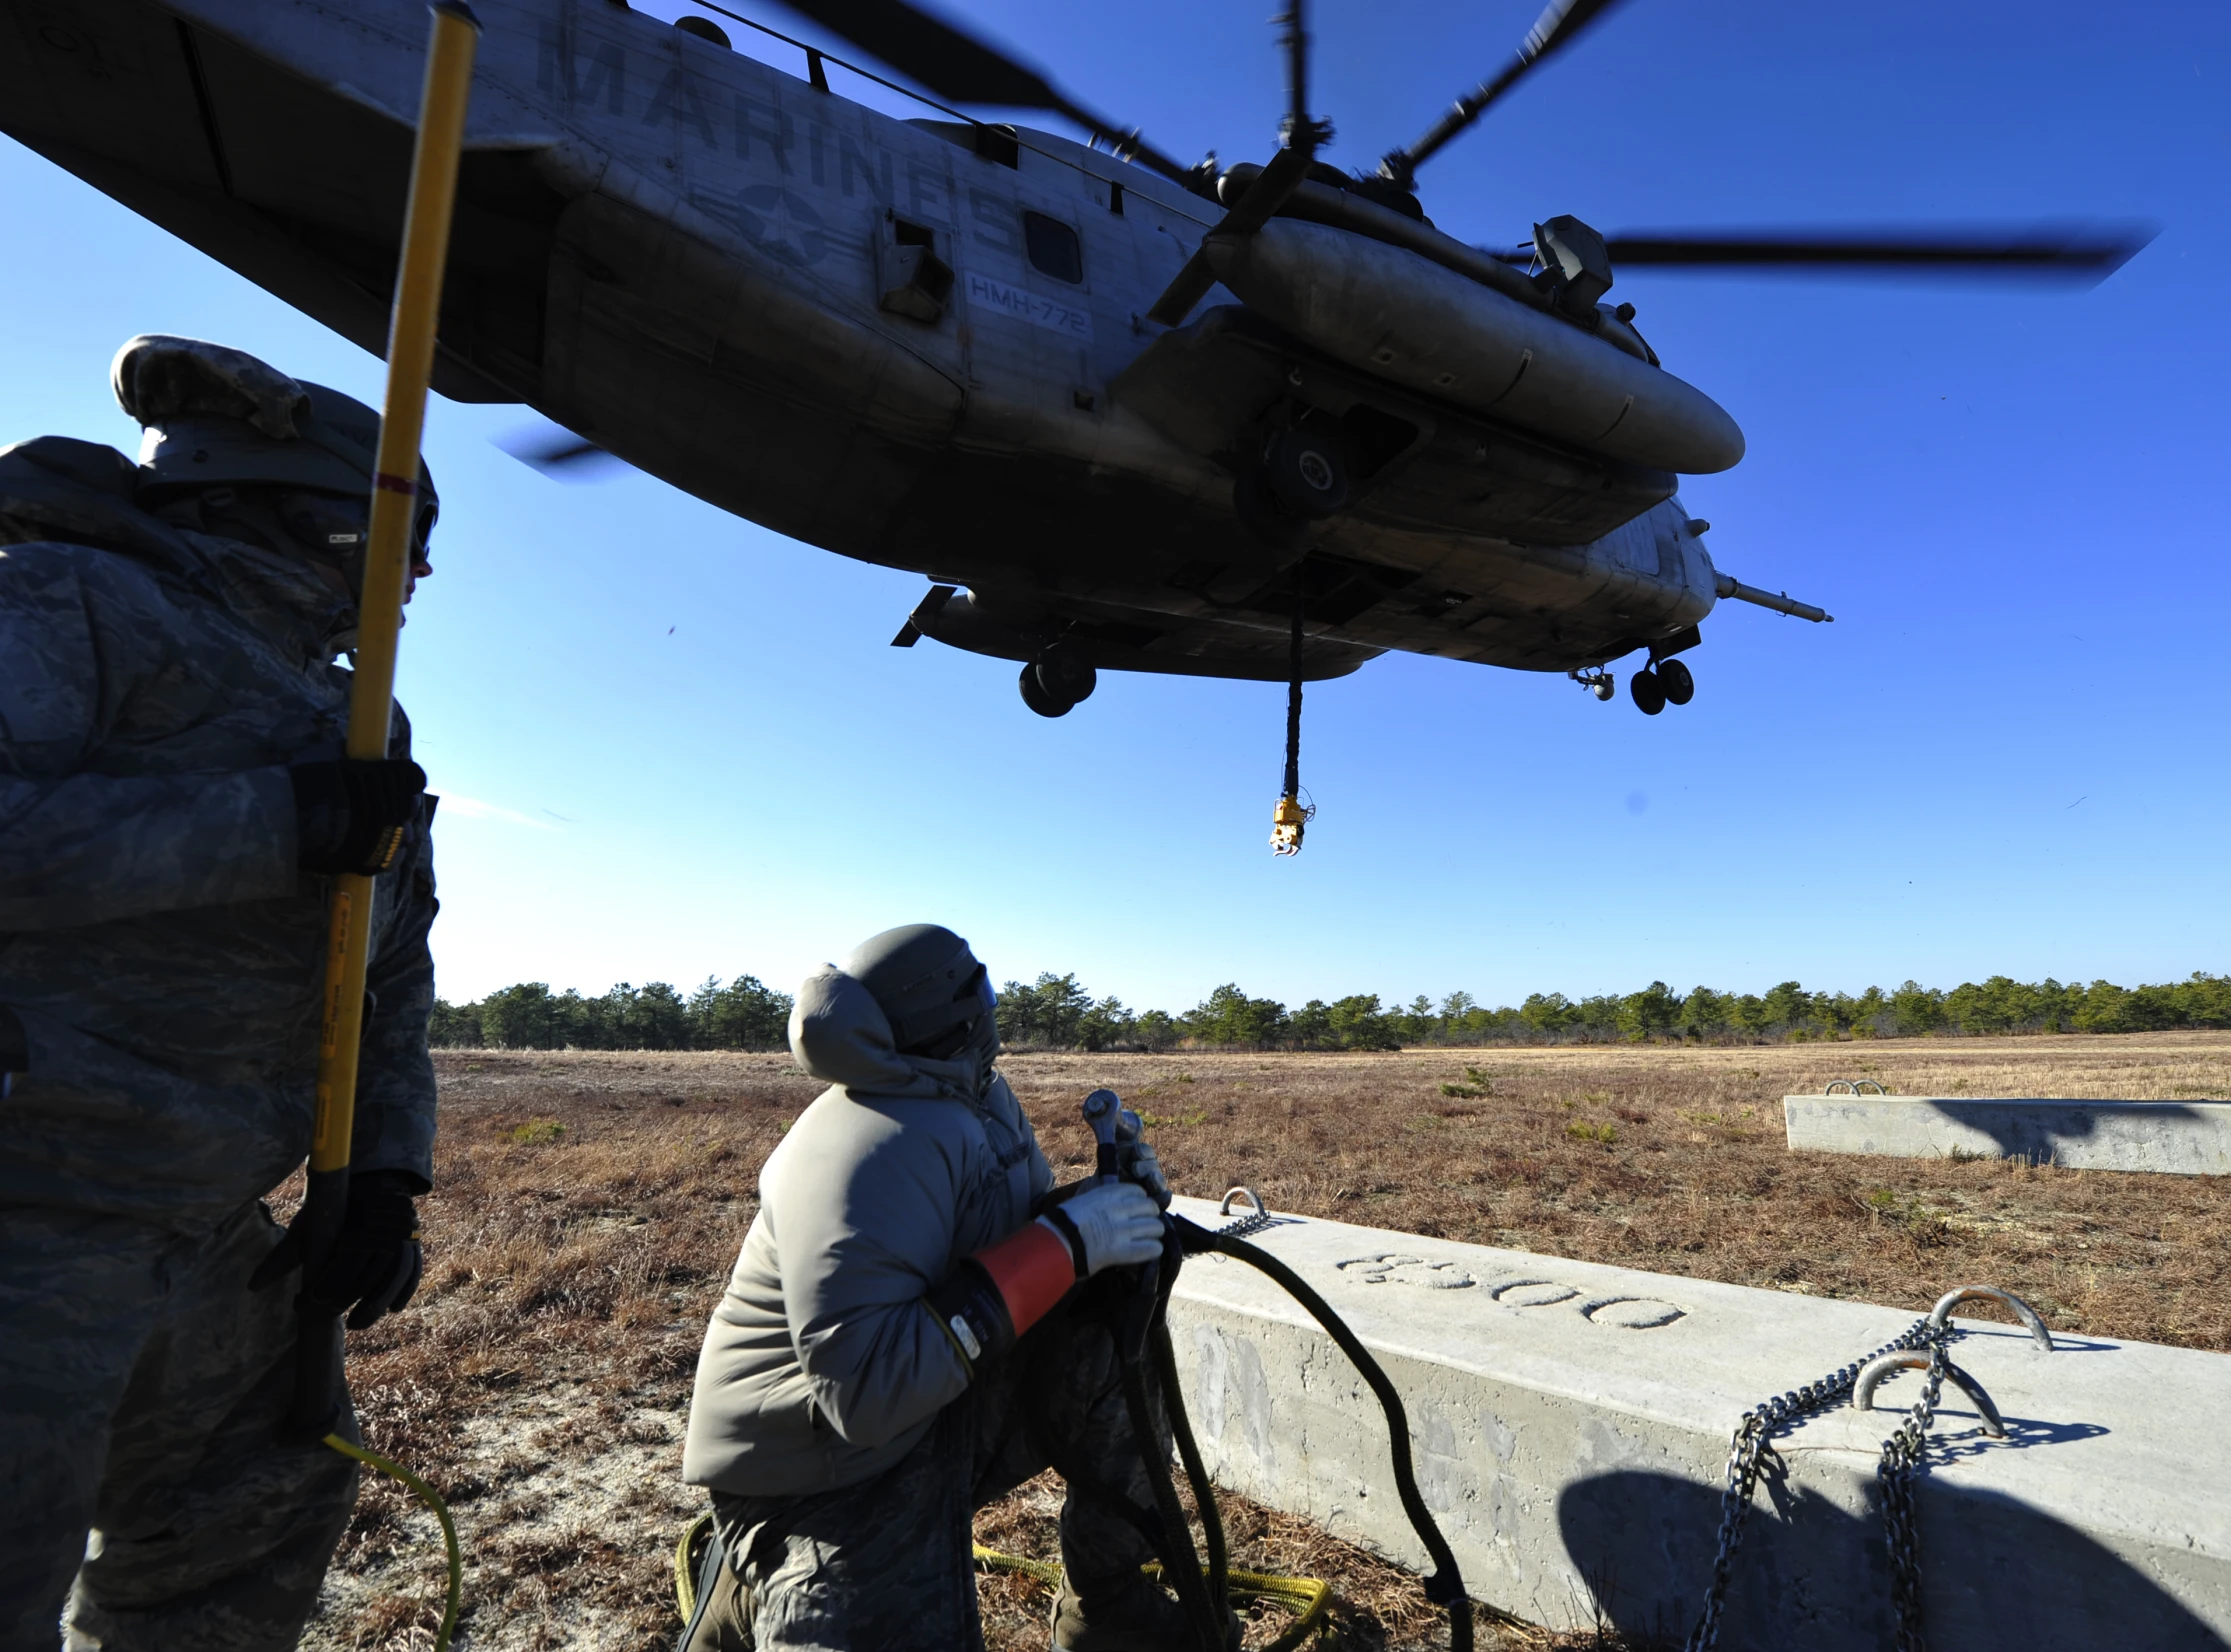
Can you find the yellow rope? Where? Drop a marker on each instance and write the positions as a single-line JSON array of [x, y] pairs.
[[432, 1499], [1309, 1597], [685, 1572]]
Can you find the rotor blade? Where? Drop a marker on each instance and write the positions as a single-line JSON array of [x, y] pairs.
[[560, 454], [1288, 170], [1559, 24], [2061, 251], [1296, 41], [959, 66]]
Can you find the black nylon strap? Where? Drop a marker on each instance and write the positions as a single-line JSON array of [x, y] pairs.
[[969, 1295], [1062, 1223]]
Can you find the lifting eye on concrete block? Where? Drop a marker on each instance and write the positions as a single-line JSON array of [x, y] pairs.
[[1871, 1375], [1991, 1293], [1852, 1086]]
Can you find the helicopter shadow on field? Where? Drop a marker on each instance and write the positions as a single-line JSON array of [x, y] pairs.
[[2037, 1131], [1998, 1575]]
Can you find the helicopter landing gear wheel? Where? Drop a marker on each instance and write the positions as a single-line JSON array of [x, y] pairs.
[[1036, 697], [1648, 692], [1066, 674], [1674, 678], [1058, 681]]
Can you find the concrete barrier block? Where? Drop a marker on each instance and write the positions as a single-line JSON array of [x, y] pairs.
[[2191, 1138], [1572, 1424]]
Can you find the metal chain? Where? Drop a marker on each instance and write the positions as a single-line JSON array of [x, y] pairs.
[[1755, 1433], [1247, 1226], [1899, 1474]]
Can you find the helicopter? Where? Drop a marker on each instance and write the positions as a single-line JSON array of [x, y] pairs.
[[1263, 421]]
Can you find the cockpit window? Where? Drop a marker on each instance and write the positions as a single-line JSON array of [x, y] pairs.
[[1053, 246]]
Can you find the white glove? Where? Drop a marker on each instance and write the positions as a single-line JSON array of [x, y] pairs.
[[1118, 1223], [1136, 1160]]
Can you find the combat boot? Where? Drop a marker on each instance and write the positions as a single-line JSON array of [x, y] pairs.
[[1133, 1615], [721, 1621]]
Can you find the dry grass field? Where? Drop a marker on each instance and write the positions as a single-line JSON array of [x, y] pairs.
[[590, 1206]]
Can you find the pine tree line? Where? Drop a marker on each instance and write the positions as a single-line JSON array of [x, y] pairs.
[[743, 1015], [1056, 1012]]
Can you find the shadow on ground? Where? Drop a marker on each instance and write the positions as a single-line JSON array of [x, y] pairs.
[[1996, 1574]]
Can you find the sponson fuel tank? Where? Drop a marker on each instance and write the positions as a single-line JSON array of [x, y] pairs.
[[1388, 312]]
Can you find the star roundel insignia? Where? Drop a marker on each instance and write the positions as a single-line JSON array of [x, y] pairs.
[[781, 222]]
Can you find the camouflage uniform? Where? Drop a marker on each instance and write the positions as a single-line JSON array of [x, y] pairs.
[[888, 1562], [160, 960]]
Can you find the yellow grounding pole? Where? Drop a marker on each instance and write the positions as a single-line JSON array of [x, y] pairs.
[[410, 363]]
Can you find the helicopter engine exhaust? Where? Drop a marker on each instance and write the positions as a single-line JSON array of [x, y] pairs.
[[1388, 312]]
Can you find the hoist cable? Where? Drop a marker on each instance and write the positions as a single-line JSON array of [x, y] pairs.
[[1445, 1586], [1293, 687]]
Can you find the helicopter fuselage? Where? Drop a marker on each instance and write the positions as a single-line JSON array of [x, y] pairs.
[[918, 343]]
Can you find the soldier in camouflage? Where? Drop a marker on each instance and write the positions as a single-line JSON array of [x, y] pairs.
[[173, 802]]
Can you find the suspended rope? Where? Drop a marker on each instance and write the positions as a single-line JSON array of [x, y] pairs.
[[1291, 816]]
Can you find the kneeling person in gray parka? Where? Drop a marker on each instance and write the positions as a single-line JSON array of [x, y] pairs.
[[909, 1332]]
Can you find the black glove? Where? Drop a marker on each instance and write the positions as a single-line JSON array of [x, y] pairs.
[[350, 813], [376, 1260]]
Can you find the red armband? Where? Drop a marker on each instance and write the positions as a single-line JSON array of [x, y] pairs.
[[996, 1295], [1032, 1269]]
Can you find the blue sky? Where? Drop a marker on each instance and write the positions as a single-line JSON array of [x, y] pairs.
[[676, 745]]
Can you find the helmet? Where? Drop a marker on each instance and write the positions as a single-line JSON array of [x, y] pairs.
[[930, 987], [219, 417]]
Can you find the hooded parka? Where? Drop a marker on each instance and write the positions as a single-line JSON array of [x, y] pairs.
[[824, 1364]]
